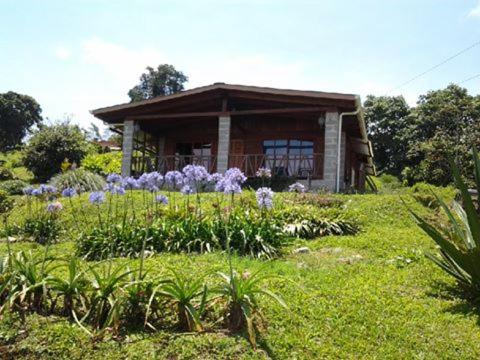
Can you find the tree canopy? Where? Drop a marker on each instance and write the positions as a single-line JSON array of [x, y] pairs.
[[18, 114], [415, 143], [165, 80]]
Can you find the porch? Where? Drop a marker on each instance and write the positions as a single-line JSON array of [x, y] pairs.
[[303, 134]]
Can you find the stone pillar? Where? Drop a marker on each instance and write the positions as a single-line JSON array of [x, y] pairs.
[[223, 148], [330, 151], [127, 146], [343, 150]]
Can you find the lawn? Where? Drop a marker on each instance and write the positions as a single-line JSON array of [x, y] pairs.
[[370, 295]]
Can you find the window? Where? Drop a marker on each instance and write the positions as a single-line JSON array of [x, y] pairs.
[[289, 157]]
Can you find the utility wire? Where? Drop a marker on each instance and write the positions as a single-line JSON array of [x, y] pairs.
[[438, 65], [468, 79]]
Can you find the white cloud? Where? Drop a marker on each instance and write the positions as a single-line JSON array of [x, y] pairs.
[[62, 53], [475, 12]]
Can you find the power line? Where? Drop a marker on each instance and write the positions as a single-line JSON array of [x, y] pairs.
[[438, 65], [468, 79]]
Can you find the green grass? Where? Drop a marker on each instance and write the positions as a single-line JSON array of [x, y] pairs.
[[373, 296]]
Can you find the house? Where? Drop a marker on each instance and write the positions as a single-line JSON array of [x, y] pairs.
[[314, 136]]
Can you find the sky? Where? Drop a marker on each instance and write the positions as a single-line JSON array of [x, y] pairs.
[[75, 56]]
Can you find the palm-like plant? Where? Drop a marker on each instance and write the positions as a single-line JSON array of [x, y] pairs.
[[73, 288], [460, 247], [240, 292], [188, 296]]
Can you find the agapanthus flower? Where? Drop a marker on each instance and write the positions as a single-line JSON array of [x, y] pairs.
[[142, 181], [161, 199], [231, 187], [115, 189], [154, 181], [54, 207], [174, 179], [186, 190], [264, 198], [97, 197], [130, 183], [235, 175], [69, 192], [27, 191], [37, 192], [48, 189], [264, 173], [215, 177], [297, 187], [195, 174], [114, 178]]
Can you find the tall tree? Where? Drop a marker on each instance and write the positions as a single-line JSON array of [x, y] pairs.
[[18, 114], [165, 80], [388, 119], [446, 123]]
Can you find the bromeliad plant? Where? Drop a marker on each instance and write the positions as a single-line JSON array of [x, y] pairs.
[[459, 252]]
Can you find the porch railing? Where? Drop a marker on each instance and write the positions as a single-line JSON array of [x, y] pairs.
[[300, 166]]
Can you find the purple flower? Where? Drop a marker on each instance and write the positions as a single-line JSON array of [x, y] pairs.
[[54, 207], [264, 198], [154, 181], [28, 190], [115, 189], [297, 187], [186, 190], [230, 187], [215, 177], [69, 192], [114, 178], [235, 175], [48, 189], [37, 192], [143, 181], [263, 173], [130, 183], [196, 174], [97, 197], [161, 199], [174, 179]]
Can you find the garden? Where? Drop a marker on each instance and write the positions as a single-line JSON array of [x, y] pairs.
[[197, 265]]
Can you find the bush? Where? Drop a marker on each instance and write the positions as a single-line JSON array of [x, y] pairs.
[[79, 179], [276, 182], [50, 146], [5, 174], [103, 164], [13, 187]]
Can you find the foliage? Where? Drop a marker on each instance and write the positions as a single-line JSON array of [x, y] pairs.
[[79, 179], [388, 118], [276, 182], [240, 293], [165, 80], [6, 203], [18, 113], [51, 145], [103, 164], [13, 187], [5, 174], [42, 228], [459, 247]]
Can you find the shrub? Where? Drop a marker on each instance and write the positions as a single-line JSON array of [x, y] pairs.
[[6, 174], [50, 146], [459, 248], [387, 182], [79, 179], [13, 187], [43, 228], [103, 164], [276, 182]]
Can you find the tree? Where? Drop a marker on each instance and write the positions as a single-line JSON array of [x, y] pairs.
[[51, 145], [446, 123], [18, 114], [388, 119], [165, 80]]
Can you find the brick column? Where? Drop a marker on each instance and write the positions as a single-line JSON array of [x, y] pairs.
[[330, 151], [127, 147], [223, 143]]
